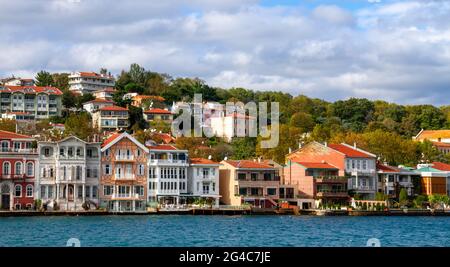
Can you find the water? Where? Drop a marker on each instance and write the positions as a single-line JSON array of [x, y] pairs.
[[213, 231]]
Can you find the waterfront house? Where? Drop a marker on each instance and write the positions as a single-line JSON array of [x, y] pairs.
[[434, 178], [18, 161], [110, 118], [68, 174], [38, 102], [317, 183], [124, 173], [96, 104], [356, 164], [203, 179], [247, 181], [392, 179], [158, 114], [168, 175], [89, 82]]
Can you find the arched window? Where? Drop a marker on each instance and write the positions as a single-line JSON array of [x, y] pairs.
[[18, 168], [30, 169], [6, 168], [18, 190], [29, 190]]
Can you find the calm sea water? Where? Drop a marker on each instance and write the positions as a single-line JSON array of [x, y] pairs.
[[212, 231]]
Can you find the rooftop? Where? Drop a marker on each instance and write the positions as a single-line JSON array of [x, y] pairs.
[[432, 134], [157, 111], [350, 151], [33, 89], [316, 165], [202, 161], [113, 108], [248, 164], [12, 135]]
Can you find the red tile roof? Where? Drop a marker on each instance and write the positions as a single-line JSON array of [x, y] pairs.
[[110, 139], [432, 134], [157, 111], [316, 165], [162, 147], [11, 135], [113, 108], [441, 166], [349, 152], [167, 138], [34, 89], [386, 168], [202, 161], [248, 164]]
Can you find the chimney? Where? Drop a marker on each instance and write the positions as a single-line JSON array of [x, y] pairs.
[[259, 159], [354, 145], [326, 143], [290, 150]]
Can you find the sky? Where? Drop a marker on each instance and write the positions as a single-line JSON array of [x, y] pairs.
[[398, 51]]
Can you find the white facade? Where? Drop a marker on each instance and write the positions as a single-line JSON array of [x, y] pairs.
[[168, 175], [94, 105], [89, 82], [68, 174], [232, 126], [204, 180]]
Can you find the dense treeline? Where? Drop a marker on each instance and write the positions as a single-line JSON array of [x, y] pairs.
[[377, 126]]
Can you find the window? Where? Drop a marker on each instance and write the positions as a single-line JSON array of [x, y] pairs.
[[80, 191], [271, 191], [18, 169], [254, 176], [30, 169], [43, 191], [47, 152], [50, 191], [94, 191], [242, 176], [16, 146], [107, 169], [243, 191], [5, 146], [70, 152], [353, 164], [364, 164], [139, 189], [213, 187], [78, 151], [358, 164], [29, 190], [87, 192], [141, 169], [18, 191], [205, 172], [108, 190], [107, 152], [6, 168], [61, 151]]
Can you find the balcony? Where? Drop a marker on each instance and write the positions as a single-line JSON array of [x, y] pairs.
[[363, 188], [331, 179], [125, 177], [359, 172], [124, 157], [167, 161], [19, 151], [6, 100], [127, 196], [332, 194]]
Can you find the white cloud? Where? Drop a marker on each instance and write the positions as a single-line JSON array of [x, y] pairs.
[[393, 50]]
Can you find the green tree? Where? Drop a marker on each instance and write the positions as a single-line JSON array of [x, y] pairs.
[[44, 78], [68, 99], [403, 197], [355, 113], [79, 125], [303, 121], [243, 147], [61, 81]]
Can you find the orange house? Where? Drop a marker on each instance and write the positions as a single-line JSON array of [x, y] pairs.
[[124, 168], [434, 178]]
